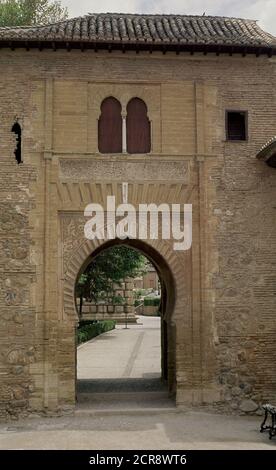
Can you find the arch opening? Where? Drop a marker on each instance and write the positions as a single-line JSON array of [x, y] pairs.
[[166, 343]]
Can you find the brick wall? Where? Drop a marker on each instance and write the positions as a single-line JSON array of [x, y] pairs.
[[232, 191]]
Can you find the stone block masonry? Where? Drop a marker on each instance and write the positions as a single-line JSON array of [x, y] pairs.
[[219, 317], [112, 311]]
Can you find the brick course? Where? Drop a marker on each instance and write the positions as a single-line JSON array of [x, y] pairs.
[[222, 346]]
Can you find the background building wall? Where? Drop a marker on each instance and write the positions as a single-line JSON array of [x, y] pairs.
[[150, 280], [121, 311]]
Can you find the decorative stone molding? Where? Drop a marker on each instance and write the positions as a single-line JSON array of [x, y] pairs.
[[88, 247], [124, 94], [95, 170]]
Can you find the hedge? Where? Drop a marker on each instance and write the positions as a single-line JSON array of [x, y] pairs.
[[152, 301], [87, 331]]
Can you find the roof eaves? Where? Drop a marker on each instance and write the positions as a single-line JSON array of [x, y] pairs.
[[267, 153]]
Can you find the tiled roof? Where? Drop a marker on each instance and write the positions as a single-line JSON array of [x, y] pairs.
[[268, 152], [126, 29]]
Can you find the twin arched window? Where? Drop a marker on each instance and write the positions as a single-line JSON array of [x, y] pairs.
[[110, 127], [136, 127]]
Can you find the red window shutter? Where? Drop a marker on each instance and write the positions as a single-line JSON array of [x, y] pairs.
[[138, 127], [110, 126]]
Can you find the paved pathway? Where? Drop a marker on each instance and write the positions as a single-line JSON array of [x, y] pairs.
[[129, 408], [121, 370], [141, 431], [132, 353]]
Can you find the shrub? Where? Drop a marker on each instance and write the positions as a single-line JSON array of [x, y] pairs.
[[138, 293], [118, 300], [152, 301], [88, 330]]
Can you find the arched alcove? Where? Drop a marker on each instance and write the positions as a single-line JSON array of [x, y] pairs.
[[167, 289], [168, 267]]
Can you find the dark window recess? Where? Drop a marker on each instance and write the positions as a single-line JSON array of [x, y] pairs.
[[236, 123], [138, 127], [16, 129], [110, 127]]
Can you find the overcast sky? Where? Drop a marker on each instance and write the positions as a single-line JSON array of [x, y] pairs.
[[262, 10]]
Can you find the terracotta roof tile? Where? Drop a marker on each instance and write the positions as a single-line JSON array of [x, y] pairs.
[[151, 29], [268, 149]]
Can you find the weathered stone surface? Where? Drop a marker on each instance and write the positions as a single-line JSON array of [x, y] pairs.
[[221, 295], [16, 356], [123, 171], [248, 406], [115, 310], [236, 391], [17, 370], [19, 393]]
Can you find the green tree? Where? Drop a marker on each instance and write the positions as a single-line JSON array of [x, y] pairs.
[[111, 266], [31, 12]]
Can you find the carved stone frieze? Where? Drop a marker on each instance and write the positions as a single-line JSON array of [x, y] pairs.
[[99, 170]]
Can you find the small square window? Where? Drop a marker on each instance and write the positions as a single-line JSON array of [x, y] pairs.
[[236, 125]]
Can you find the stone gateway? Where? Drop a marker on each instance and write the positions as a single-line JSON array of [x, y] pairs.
[[183, 109]]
